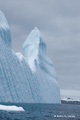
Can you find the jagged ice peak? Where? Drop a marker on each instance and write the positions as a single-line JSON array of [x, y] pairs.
[[32, 47]]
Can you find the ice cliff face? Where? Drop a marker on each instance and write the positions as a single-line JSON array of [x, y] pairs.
[[5, 33], [29, 79]]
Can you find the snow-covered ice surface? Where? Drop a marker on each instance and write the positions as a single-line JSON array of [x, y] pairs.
[[29, 79], [11, 108]]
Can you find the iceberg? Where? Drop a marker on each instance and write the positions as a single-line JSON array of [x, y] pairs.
[[11, 108], [26, 79]]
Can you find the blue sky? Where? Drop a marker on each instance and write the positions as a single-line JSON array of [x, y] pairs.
[[59, 23]]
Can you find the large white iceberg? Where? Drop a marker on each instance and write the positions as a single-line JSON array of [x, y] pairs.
[[29, 79]]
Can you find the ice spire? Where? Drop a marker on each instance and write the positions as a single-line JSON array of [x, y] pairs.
[[36, 53], [31, 46]]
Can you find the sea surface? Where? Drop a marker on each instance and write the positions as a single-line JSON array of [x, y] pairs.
[[43, 112]]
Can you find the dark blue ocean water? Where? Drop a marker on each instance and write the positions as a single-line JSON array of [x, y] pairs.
[[43, 112]]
